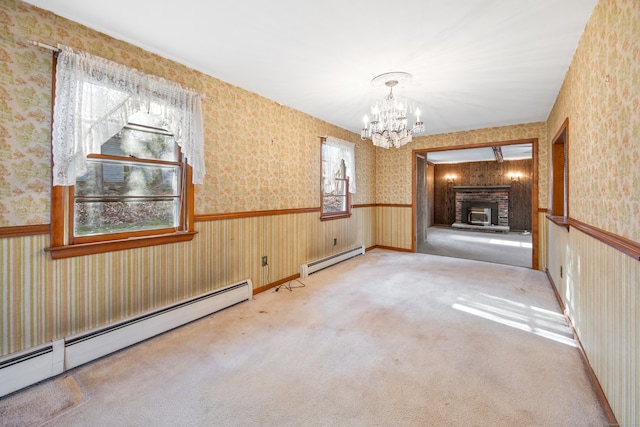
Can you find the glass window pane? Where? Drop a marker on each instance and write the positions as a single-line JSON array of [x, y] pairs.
[[106, 216], [334, 204], [143, 143], [112, 178]]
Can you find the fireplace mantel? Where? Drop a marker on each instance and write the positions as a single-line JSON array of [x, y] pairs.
[[482, 187]]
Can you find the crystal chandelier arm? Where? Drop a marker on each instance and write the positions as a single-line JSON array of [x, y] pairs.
[[388, 126]]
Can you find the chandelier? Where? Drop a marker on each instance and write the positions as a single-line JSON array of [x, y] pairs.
[[388, 126]]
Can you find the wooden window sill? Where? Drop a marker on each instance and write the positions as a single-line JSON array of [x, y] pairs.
[[69, 251], [561, 221], [338, 215]]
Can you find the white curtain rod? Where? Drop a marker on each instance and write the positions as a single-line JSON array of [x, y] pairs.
[[43, 45], [57, 49]]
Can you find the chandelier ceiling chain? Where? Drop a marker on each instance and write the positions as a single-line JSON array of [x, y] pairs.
[[388, 126]]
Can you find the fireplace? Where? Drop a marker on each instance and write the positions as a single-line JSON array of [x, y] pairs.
[[479, 216], [482, 207]]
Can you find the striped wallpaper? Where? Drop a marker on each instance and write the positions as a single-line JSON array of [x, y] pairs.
[[44, 300], [394, 226], [599, 288]]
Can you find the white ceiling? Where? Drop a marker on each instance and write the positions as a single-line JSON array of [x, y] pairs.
[[483, 154], [475, 63]]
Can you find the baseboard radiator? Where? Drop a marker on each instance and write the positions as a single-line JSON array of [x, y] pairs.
[[22, 369], [312, 267]]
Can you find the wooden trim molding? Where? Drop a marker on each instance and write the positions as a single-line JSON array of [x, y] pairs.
[[478, 145], [535, 196], [559, 185], [624, 245], [389, 248], [595, 384], [34, 230], [251, 214], [543, 210], [394, 205], [560, 221], [276, 283], [24, 230], [68, 251], [620, 243], [331, 217]]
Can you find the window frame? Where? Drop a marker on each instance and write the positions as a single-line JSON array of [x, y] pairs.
[[559, 186], [63, 246], [327, 216], [63, 243]]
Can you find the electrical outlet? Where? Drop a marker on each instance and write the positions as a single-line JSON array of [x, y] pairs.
[[335, 241], [264, 260]]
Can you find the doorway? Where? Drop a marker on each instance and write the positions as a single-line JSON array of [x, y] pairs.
[[447, 178]]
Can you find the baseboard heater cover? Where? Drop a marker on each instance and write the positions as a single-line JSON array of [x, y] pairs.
[[88, 346], [22, 369], [312, 267]]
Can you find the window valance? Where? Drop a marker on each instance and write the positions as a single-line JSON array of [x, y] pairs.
[[336, 150], [95, 98]]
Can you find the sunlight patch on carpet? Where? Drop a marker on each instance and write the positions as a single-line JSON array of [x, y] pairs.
[[509, 243], [535, 320]]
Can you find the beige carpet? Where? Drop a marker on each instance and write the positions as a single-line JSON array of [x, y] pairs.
[[500, 248], [384, 339]]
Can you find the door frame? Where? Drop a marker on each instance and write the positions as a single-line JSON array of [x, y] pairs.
[[426, 191], [534, 188]]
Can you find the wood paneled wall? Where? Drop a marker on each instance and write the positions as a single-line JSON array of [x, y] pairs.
[[482, 174], [431, 188]]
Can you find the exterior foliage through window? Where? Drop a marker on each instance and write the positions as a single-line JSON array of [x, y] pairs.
[[338, 178]]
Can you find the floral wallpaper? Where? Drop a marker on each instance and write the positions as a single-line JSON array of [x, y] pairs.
[[601, 97], [395, 179], [254, 168], [25, 121], [274, 166]]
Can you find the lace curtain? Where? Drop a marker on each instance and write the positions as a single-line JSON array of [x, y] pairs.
[[335, 150], [94, 99]]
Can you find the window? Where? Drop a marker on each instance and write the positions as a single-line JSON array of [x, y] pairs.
[[338, 178], [123, 148], [335, 195], [134, 185]]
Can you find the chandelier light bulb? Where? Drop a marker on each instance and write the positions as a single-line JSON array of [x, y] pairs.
[[389, 123]]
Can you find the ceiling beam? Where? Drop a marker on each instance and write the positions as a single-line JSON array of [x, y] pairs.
[[497, 151]]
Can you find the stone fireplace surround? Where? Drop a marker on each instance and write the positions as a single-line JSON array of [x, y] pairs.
[[483, 196]]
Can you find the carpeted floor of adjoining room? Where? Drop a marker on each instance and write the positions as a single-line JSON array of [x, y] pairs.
[[384, 339], [513, 248]]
